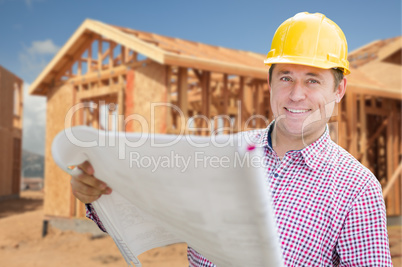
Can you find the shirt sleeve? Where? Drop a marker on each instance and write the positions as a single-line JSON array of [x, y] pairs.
[[195, 259], [91, 214], [364, 238]]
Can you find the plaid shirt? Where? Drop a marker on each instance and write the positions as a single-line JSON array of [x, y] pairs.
[[328, 207]]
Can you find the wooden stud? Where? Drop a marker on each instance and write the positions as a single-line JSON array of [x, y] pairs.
[[182, 88], [169, 118], [390, 184], [111, 49], [363, 130], [100, 58], [396, 140], [390, 159], [120, 103], [206, 100], [351, 124], [241, 98], [89, 59], [225, 96]]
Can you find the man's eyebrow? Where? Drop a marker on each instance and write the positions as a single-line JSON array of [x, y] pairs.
[[313, 74], [284, 72]]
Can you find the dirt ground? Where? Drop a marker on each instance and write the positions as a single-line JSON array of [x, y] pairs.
[[21, 242]]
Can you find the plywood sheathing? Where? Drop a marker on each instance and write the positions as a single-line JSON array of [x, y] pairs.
[[149, 96], [58, 199], [11, 105]]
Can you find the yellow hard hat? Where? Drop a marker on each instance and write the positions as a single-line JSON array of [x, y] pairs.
[[312, 40]]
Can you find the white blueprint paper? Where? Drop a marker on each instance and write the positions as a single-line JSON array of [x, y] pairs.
[[167, 189]]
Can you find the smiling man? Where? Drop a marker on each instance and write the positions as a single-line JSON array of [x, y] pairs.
[[328, 207], [302, 100]]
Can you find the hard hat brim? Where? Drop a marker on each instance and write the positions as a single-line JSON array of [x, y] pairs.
[[317, 63]]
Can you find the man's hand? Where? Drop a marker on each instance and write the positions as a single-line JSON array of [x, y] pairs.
[[86, 187]]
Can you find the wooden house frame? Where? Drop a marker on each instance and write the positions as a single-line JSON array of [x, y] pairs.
[[11, 105], [373, 115], [124, 71]]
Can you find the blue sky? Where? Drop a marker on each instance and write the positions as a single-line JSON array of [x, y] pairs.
[[33, 30]]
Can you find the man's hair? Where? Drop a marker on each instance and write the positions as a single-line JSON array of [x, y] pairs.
[[338, 75]]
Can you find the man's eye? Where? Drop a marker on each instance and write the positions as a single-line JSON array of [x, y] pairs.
[[286, 79], [313, 81]]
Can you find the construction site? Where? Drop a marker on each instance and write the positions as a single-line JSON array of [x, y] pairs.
[[121, 71], [105, 73]]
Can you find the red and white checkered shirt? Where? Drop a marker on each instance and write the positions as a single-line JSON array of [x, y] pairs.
[[328, 207]]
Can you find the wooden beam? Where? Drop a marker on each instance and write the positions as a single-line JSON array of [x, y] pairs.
[[363, 130], [71, 58], [392, 181], [111, 49], [105, 74], [390, 158], [169, 119], [377, 111], [89, 59], [374, 91], [396, 140], [129, 41], [100, 54], [182, 88], [205, 99], [123, 54], [133, 57], [100, 92], [377, 133], [198, 75], [79, 68], [351, 123], [105, 54], [241, 98], [215, 66]]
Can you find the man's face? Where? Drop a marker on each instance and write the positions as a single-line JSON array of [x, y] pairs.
[[302, 99]]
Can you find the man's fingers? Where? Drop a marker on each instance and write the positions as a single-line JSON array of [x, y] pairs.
[[86, 167], [84, 198], [91, 181], [82, 188], [86, 187]]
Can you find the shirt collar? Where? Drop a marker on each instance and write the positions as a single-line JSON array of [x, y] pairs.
[[264, 139], [312, 154]]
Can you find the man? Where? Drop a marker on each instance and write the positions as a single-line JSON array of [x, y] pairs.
[[328, 207]]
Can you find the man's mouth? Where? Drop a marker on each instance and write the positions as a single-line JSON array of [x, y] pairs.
[[297, 111]]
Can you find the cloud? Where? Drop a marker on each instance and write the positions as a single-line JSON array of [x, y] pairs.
[[34, 58], [34, 122], [29, 3], [46, 47]]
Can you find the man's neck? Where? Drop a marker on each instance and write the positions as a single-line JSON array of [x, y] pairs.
[[282, 143]]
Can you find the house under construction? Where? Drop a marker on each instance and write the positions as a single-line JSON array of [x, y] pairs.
[[105, 74], [11, 102]]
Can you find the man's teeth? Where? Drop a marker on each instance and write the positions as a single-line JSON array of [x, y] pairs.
[[297, 110]]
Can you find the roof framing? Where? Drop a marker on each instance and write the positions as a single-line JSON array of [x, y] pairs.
[[162, 49]]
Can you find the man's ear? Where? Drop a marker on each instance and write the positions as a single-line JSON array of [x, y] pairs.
[[269, 86], [341, 90]]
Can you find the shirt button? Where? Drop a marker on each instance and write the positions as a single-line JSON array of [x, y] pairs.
[[276, 175]]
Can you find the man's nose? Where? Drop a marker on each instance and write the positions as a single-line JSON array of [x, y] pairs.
[[298, 92]]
